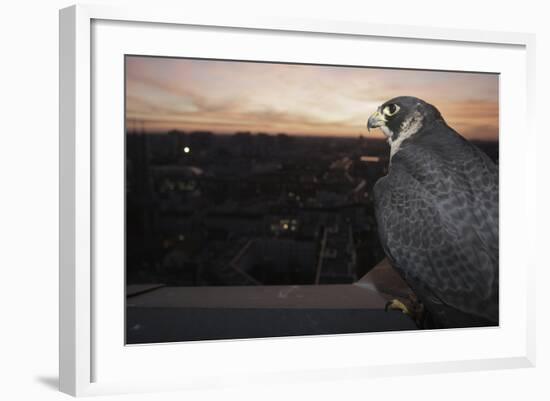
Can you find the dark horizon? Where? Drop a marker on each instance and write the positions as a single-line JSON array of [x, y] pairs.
[[365, 136]]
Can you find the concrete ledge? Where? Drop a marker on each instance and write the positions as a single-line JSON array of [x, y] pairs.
[[336, 296], [174, 314], [157, 325]]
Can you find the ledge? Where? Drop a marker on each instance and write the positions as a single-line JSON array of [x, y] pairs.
[[174, 314]]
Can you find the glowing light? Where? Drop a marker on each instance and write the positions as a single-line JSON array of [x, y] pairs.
[[367, 159], [186, 149]]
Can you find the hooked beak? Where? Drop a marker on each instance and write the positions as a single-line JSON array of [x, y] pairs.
[[376, 120]]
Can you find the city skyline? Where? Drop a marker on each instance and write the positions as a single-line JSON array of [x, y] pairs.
[[230, 96]]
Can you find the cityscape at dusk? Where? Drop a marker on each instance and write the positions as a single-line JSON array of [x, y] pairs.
[[261, 175]]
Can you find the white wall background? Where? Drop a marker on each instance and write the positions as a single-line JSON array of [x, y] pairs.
[[29, 200]]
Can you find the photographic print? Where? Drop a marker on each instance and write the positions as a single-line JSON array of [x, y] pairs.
[[277, 199]]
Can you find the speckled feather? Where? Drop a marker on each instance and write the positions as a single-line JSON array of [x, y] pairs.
[[437, 214]]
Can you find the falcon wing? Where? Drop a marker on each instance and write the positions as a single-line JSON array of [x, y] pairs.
[[438, 222]]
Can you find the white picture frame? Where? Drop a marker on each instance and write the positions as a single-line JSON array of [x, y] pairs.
[[84, 355]]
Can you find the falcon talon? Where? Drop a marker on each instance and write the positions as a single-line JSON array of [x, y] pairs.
[[396, 304]]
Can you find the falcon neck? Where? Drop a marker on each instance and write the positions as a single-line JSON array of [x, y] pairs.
[[412, 128]]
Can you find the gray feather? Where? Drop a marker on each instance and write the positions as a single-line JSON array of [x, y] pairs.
[[437, 214]]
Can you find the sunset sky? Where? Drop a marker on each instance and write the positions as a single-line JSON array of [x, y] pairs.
[[228, 96]]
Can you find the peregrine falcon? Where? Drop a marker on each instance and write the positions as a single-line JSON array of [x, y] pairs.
[[437, 215]]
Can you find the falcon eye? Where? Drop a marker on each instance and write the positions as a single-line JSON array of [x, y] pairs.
[[391, 109]]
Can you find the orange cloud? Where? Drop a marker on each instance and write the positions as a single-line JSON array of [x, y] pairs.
[[228, 96]]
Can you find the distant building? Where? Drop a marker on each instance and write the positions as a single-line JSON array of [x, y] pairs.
[[253, 208], [337, 258]]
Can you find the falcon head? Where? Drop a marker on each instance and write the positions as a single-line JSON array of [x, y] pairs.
[[403, 116]]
